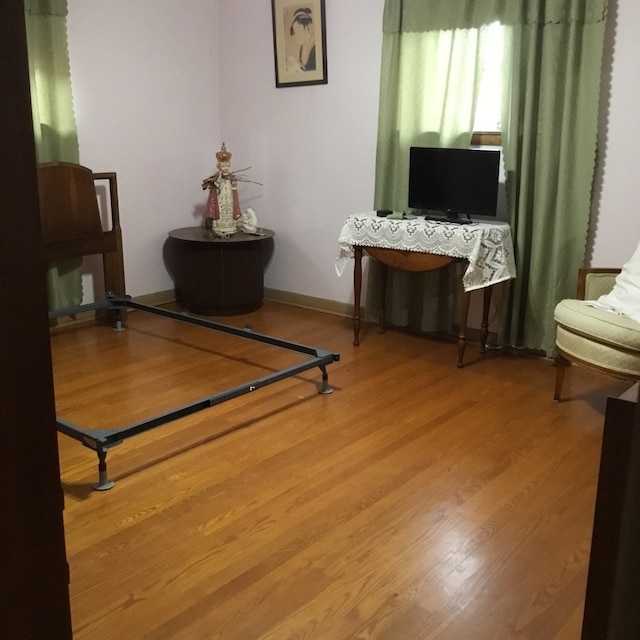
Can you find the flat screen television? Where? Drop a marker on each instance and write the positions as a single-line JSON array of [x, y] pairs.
[[454, 183]]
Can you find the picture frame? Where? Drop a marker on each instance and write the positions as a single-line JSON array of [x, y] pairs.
[[299, 42]]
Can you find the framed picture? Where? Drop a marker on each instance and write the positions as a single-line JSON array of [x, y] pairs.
[[299, 42]]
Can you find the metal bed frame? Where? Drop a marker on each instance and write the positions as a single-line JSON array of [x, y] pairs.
[[101, 440]]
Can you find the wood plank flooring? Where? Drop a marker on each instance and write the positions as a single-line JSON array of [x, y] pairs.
[[417, 502]]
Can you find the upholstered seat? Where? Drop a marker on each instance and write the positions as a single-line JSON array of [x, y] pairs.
[[598, 338]]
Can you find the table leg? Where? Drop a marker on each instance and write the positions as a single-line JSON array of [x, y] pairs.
[[484, 327], [357, 286], [383, 296], [465, 297]]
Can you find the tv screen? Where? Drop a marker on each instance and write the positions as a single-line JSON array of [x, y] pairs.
[[454, 181]]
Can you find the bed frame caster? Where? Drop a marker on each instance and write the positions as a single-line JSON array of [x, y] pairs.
[[325, 388], [103, 479], [118, 325], [115, 312]]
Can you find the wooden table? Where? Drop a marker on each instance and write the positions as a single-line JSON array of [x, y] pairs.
[[415, 244], [411, 261], [220, 276]]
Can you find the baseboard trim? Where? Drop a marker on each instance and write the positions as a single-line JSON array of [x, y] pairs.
[[310, 302], [157, 299], [333, 307], [346, 310]]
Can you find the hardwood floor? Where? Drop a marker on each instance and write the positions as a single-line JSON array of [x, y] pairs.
[[417, 502]]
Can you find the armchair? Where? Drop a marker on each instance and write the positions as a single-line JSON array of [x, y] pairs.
[[602, 340]]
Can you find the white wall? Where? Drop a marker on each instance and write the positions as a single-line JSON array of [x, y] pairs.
[[146, 95], [616, 230], [312, 147], [158, 85]]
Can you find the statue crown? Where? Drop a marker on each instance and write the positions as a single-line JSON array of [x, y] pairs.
[[223, 155]]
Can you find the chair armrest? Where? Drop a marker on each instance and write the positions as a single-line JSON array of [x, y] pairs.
[[595, 282]]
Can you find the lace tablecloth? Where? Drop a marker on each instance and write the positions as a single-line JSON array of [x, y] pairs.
[[486, 245]]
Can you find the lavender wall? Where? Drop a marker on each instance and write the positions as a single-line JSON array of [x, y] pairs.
[[158, 85]]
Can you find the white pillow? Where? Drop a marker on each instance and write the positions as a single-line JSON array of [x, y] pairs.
[[624, 298]]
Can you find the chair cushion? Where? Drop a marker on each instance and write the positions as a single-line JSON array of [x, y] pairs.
[[599, 337]]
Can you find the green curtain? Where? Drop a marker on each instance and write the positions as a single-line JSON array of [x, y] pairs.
[[53, 120], [553, 66], [550, 144]]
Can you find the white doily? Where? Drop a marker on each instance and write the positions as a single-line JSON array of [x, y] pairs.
[[486, 245]]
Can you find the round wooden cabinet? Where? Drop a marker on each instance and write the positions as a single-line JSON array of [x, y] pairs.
[[220, 276]]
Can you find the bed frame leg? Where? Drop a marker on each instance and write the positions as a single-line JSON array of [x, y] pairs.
[[103, 480], [118, 326], [324, 386]]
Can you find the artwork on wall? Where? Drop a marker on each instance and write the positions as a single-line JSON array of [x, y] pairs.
[[299, 42]]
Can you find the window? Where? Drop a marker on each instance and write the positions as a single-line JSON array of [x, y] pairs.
[[489, 102]]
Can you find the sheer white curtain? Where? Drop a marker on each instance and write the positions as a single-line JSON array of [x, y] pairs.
[[431, 83]]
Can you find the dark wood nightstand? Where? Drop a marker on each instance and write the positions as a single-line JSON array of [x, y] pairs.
[[220, 276]]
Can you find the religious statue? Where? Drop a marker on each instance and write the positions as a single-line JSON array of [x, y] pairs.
[[223, 207], [223, 216]]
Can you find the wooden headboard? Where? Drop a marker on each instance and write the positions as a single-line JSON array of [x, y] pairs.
[[71, 222]]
